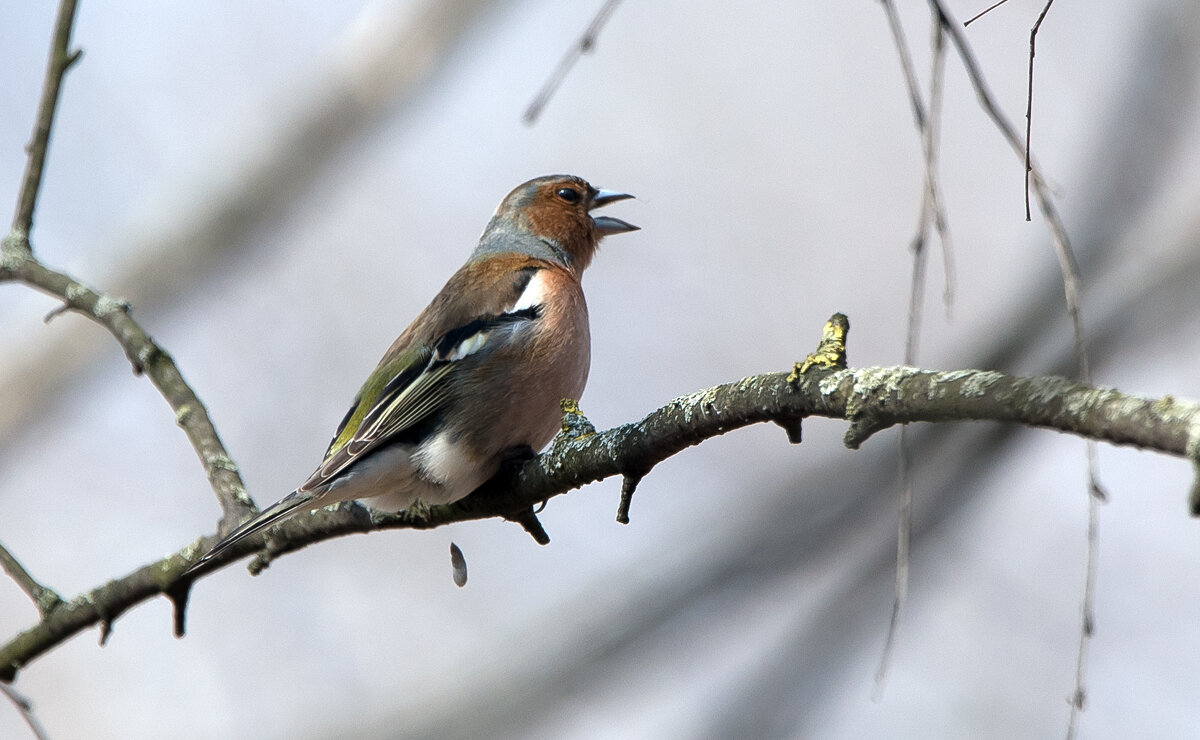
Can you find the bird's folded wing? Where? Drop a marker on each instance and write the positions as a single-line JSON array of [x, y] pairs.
[[415, 391]]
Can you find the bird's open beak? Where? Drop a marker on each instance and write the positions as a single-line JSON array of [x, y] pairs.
[[607, 224]]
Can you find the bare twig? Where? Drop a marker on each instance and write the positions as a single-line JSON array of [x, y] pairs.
[[1087, 617], [931, 213], [982, 13], [872, 399], [146, 356], [1069, 269], [585, 43], [930, 139], [61, 59], [1058, 231], [25, 708], [975, 76], [915, 302], [18, 263], [906, 63], [46, 599], [1029, 99], [928, 125]]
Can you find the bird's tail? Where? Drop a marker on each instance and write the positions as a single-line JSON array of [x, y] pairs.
[[290, 504]]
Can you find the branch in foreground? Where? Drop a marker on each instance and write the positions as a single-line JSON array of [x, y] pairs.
[[145, 356], [872, 399]]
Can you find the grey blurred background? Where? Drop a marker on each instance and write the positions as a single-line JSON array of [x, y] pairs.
[[278, 187]]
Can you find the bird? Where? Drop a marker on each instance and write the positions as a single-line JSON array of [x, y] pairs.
[[478, 377]]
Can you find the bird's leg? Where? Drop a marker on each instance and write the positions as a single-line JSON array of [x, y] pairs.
[[417, 511], [516, 457]]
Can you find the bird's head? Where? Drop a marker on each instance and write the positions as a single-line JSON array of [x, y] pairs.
[[555, 211]]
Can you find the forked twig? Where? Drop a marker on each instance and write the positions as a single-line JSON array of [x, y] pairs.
[[1069, 269], [46, 599]]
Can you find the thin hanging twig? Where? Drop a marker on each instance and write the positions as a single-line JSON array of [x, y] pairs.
[[982, 13], [1029, 99], [931, 212], [585, 43]]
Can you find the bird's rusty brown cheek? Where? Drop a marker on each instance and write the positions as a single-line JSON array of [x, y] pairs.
[[569, 229]]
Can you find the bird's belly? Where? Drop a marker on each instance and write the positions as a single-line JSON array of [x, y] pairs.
[[387, 480]]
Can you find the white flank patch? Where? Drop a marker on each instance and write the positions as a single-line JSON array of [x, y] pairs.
[[534, 293], [445, 461]]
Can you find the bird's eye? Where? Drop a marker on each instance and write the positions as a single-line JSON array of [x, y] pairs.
[[570, 195]]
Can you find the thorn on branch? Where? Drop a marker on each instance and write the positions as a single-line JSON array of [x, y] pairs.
[[862, 429], [73, 57], [529, 521], [55, 313], [791, 425], [178, 594], [629, 484], [106, 628]]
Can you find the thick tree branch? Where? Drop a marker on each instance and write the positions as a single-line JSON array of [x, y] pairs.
[[872, 399], [145, 356], [61, 59]]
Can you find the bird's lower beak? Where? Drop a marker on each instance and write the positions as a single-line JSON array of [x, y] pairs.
[[607, 224]]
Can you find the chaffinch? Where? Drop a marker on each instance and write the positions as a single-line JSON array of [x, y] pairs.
[[478, 376]]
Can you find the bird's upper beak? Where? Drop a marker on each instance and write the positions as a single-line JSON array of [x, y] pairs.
[[607, 224]]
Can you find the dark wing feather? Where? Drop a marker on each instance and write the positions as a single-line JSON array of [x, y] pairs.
[[416, 393]]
